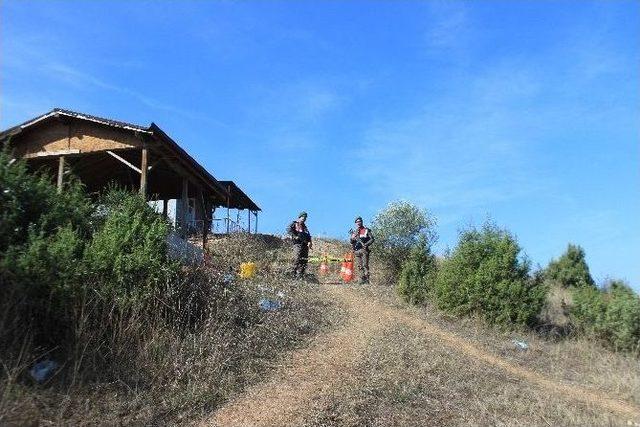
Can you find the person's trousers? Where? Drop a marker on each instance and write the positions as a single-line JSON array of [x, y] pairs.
[[362, 255], [300, 258]]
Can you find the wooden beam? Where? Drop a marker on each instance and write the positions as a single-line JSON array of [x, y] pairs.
[[184, 201], [115, 156], [60, 173], [179, 164], [165, 204], [57, 153], [256, 222], [203, 217], [143, 173], [228, 210]]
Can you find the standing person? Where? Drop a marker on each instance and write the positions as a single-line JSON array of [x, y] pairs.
[[301, 244], [361, 239]]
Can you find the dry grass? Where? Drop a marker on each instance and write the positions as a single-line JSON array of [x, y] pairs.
[[340, 356], [305, 374], [568, 358], [410, 377], [178, 374], [406, 380], [555, 313]]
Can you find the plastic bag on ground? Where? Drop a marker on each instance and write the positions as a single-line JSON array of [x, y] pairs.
[[42, 371]]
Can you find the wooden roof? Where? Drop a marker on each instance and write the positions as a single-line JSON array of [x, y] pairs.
[[238, 199], [160, 141]]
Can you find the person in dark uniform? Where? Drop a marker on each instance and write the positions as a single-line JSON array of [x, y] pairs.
[[361, 239], [301, 244]]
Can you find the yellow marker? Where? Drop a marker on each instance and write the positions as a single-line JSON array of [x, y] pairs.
[[247, 270]]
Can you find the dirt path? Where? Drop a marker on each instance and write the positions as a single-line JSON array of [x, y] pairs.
[[311, 373], [308, 373]]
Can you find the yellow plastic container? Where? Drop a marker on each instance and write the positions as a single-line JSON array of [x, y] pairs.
[[247, 270]]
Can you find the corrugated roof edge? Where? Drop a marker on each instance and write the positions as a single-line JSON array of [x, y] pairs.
[[57, 111], [159, 133], [252, 205], [109, 122]]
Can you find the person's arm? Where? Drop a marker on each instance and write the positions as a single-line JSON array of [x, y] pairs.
[[371, 239], [292, 232]]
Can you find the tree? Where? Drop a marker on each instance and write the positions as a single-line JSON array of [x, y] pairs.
[[487, 275], [571, 269], [418, 273], [398, 228], [611, 315]]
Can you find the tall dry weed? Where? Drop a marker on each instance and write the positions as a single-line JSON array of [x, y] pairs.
[[200, 338]]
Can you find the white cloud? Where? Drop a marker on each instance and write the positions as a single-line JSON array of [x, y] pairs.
[[448, 24], [465, 150]]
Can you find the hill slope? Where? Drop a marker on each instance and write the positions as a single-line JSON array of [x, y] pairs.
[[391, 365]]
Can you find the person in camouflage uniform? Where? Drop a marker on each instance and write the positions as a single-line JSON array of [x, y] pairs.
[[301, 237], [361, 239]]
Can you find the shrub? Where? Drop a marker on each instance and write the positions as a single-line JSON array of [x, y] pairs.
[[485, 275], [397, 229], [418, 273], [59, 250], [88, 284], [571, 269], [127, 255], [611, 315], [42, 237], [31, 203]]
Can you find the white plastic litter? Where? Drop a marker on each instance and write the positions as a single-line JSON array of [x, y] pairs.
[[269, 305], [42, 371], [522, 345]]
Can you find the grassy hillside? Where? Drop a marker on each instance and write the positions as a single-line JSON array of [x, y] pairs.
[[88, 291], [184, 373]]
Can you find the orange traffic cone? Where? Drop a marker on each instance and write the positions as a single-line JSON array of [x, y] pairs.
[[324, 268], [346, 271]]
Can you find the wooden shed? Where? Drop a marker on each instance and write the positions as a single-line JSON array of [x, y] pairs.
[[101, 151]]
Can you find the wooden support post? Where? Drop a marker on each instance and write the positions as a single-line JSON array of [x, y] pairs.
[[204, 235], [184, 202], [255, 231], [143, 173], [165, 205], [228, 210], [203, 217], [249, 221], [60, 173]]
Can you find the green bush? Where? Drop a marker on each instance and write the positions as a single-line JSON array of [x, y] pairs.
[[52, 243], [486, 275], [58, 249], [611, 315], [88, 284], [31, 203], [397, 229], [571, 269], [46, 264], [127, 254], [418, 273]]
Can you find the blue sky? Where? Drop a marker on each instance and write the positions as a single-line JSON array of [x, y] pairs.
[[525, 112]]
